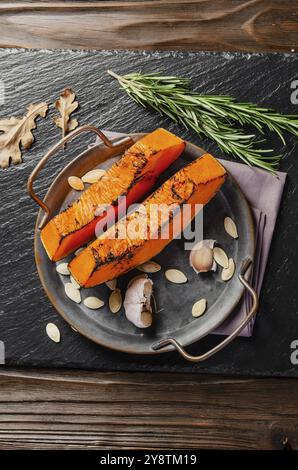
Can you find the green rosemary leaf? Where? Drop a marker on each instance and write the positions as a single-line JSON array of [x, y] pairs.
[[216, 117]]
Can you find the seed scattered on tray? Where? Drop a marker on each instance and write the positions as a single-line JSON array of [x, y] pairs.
[[220, 257], [149, 267], [112, 284], [74, 283], [199, 308], [62, 269], [230, 227], [115, 301], [228, 273], [93, 302], [72, 293], [93, 176], [75, 183], [175, 276], [53, 332]]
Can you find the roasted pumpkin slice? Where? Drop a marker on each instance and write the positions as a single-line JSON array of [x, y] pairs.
[[146, 231], [133, 176]]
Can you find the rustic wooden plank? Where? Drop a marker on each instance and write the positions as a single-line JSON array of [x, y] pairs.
[[251, 25], [49, 409], [75, 410]]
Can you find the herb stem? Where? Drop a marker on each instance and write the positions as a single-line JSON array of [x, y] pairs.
[[218, 117]]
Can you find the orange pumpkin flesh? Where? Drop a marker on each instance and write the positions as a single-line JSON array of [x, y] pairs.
[[132, 176], [108, 257]]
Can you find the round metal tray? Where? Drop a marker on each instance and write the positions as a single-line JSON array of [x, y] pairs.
[[173, 324]]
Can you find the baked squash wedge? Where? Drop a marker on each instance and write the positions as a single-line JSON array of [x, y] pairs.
[[145, 232], [133, 176]]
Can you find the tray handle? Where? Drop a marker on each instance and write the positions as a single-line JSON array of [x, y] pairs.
[[166, 341], [87, 127]]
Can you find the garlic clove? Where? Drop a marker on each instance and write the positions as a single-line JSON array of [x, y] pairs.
[[137, 302], [201, 257], [138, 276]]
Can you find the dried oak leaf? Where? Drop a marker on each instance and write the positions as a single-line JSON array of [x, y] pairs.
[[16, 133], [66, 105]]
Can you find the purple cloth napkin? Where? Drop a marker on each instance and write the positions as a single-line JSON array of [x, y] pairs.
[[263, 192]]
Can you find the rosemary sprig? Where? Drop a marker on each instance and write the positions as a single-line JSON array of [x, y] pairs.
[[212, 116]]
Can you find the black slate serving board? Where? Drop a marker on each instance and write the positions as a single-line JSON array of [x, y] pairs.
[[33, 76]]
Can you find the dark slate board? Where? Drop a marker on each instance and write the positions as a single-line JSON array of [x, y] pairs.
[[32, 76]]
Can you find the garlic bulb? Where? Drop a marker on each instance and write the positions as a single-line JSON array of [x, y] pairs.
[[201, 257], [137, 301]]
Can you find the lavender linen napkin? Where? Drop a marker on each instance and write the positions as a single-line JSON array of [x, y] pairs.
[[263, 192]]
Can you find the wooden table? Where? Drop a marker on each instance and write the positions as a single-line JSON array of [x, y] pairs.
[[83, 410]]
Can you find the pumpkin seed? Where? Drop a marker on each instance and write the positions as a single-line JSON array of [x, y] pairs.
[[149, 267], [228, 273], [175, 276], [62, 268], [111, 284], [93, 302], [53, 332], [76, 183], [230, 227], [199, 308], [115, 301], [74, 283], [93, 176], [72, 293], [220, 257]]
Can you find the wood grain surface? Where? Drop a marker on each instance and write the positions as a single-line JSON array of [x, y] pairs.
[[135, 411], [83, 410], [251, 25]]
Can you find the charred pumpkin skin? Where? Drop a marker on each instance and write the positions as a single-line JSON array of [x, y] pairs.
[[107, 257], [132, 176]]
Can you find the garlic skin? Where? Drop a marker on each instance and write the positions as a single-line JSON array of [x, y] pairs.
[[201, 257], [137, 301]]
